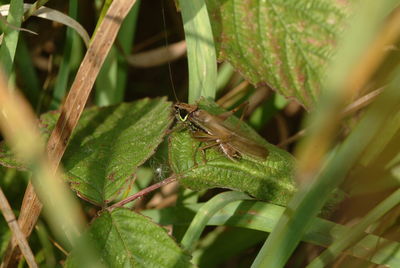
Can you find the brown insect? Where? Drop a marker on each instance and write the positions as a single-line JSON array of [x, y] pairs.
[[215, 130]]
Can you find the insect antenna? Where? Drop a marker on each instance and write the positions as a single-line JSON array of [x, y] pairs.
[[166, 45]]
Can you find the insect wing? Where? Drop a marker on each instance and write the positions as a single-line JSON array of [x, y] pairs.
[[248, 147], [209, 127], [240, 141]]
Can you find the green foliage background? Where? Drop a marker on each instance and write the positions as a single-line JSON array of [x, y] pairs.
[[303, 52]]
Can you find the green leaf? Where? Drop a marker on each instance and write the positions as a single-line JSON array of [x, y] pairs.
[[7, 158], [11, 35], [110, 143], [285, 44], [271, 180], [107, 146], [126, 239]]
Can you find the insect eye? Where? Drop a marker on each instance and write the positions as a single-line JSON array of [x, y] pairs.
[[183, 115]]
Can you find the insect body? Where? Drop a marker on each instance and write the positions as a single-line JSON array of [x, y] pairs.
[[214, 130]]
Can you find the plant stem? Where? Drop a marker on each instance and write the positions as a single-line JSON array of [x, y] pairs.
[[143, 192]]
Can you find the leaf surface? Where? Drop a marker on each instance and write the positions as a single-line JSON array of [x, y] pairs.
[[111, 143], [285, 44], [270, 180], [124, 238], [107, 146]]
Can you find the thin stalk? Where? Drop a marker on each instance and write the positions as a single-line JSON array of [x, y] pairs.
[[34, 7], [142, 192]]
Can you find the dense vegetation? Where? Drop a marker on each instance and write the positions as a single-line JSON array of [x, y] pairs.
[[101, 169]]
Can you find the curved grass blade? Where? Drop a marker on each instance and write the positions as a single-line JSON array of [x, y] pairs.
[[205, 213], [264, 217], [53, 15], [200, 50]]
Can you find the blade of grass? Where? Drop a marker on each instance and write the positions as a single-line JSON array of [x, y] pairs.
[[158, 56], [61, 84], [33, 8], [225, 72], [53, 15], [185, 196], [205, 213], [107, 77], [103, 13], [222, 244], [125, 39], [10, 40], [106, 82], [356, 232], [48, 250], [30, 85], [111, 82], [264, 217], [200, 50]]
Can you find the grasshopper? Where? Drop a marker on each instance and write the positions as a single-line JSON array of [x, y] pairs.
[[215, 130]]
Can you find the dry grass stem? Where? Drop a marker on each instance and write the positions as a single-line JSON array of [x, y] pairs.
[[17, 233]]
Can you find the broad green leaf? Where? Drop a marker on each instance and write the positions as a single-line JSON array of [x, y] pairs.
[[271, 180], [110, 143], [107, 146], [124, 238], [285, 44]]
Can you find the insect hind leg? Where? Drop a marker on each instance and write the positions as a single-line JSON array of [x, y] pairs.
[[245, 106], [205, 137], [221, 142]]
